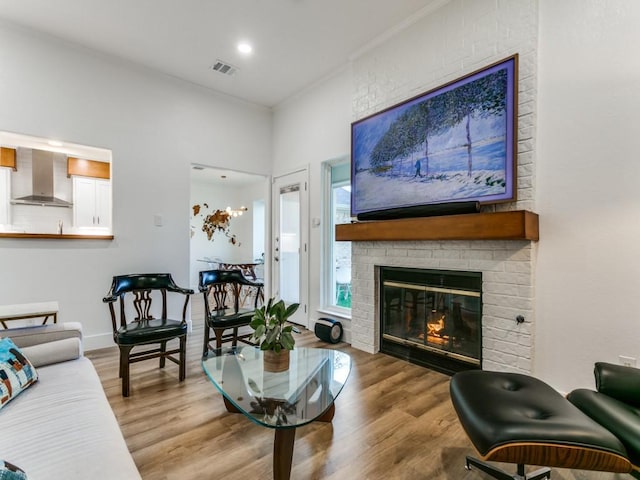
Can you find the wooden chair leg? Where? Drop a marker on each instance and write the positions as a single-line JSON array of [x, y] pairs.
[[205, 349], [163, 350], [183, 357], [124, 368], [219, 332]]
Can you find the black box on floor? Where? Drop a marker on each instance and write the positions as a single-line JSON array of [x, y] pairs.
[[328, 330]]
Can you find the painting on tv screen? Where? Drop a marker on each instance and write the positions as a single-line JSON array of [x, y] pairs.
[[455, 143]]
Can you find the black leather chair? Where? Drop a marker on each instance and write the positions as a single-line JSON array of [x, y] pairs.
[[519, 419], [615, 405], [221, 290], [145, 329], [248, 293]]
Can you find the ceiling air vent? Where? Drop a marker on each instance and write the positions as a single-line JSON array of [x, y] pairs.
[[224, 68]]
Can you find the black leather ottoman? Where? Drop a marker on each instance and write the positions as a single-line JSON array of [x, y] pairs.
[[519, 419]]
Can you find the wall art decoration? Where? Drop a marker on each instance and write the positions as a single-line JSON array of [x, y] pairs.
[[455, 143]]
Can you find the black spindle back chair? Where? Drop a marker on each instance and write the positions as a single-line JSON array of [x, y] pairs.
[[138, 290]]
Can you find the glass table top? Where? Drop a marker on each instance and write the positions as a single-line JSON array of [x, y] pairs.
[[287, 399]]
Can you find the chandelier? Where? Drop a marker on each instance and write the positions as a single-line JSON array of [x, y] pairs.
[[237, 212]]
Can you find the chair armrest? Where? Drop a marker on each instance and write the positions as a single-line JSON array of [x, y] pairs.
[[143, 281], [619, 382], [29, 336], [184, 291], [250, 283], [172, 287], [176, 289]]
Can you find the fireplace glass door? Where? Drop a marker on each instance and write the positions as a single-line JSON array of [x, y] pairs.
[[439, 316]]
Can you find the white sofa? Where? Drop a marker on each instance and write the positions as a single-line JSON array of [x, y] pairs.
[[62, 427]]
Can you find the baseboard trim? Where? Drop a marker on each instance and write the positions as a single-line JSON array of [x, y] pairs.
[[94, 342]]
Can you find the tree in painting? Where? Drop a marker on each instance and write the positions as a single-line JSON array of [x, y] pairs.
[[409, 132], [480, 98]]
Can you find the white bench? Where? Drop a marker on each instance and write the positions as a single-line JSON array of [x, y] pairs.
[[29, 310]]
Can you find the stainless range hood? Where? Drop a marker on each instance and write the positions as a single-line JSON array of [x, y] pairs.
[[42, 183]]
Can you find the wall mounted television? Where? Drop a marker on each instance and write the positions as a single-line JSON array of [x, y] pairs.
[[455, 143]]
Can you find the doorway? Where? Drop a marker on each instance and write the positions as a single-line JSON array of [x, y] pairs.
[[290, 242], [243, 241]]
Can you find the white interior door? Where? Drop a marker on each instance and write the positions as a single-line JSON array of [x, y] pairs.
[[290, 242]]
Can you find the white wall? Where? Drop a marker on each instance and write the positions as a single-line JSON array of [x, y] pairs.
[[587, 196], [156, 127], [259, 229], [307, 130]]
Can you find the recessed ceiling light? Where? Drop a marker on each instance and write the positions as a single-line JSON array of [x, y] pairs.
[[245, 48]]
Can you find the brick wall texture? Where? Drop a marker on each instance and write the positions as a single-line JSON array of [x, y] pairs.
[[460, 37]]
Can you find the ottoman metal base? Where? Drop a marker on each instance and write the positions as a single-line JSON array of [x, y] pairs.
[[495, 472]]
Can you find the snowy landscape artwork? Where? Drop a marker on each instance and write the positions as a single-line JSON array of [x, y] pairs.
[[452, 144]]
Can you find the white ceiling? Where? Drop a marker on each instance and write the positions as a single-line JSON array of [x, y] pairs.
[[229, 178], [296, 42]]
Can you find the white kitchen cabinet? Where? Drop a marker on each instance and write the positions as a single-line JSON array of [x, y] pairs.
[[91, 203], [5, 195]]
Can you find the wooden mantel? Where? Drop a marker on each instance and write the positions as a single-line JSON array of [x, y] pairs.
[[514, 225]]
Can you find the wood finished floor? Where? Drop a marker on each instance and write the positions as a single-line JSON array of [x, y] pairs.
[[393, 420]]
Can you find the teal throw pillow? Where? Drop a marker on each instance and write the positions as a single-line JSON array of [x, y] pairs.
[[9, 471], [16, 372]]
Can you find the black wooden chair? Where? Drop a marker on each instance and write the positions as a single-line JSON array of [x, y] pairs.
[[247, 293], [221, 290], [145, 329]]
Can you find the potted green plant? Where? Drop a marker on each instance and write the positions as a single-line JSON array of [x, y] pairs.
[[273, 335]]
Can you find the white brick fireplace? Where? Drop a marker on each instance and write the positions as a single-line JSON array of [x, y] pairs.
[[507, 291], [455, 39]]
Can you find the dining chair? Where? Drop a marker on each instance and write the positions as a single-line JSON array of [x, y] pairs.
[[151, 327], [221, 291]]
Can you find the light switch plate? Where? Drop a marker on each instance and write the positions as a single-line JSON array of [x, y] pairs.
[[627, 361]]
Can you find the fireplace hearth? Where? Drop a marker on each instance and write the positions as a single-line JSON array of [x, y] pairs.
[[432, 317]]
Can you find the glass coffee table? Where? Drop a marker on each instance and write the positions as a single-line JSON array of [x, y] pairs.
[[283, 401]]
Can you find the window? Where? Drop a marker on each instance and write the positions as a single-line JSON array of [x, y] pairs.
[[337, 255]]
